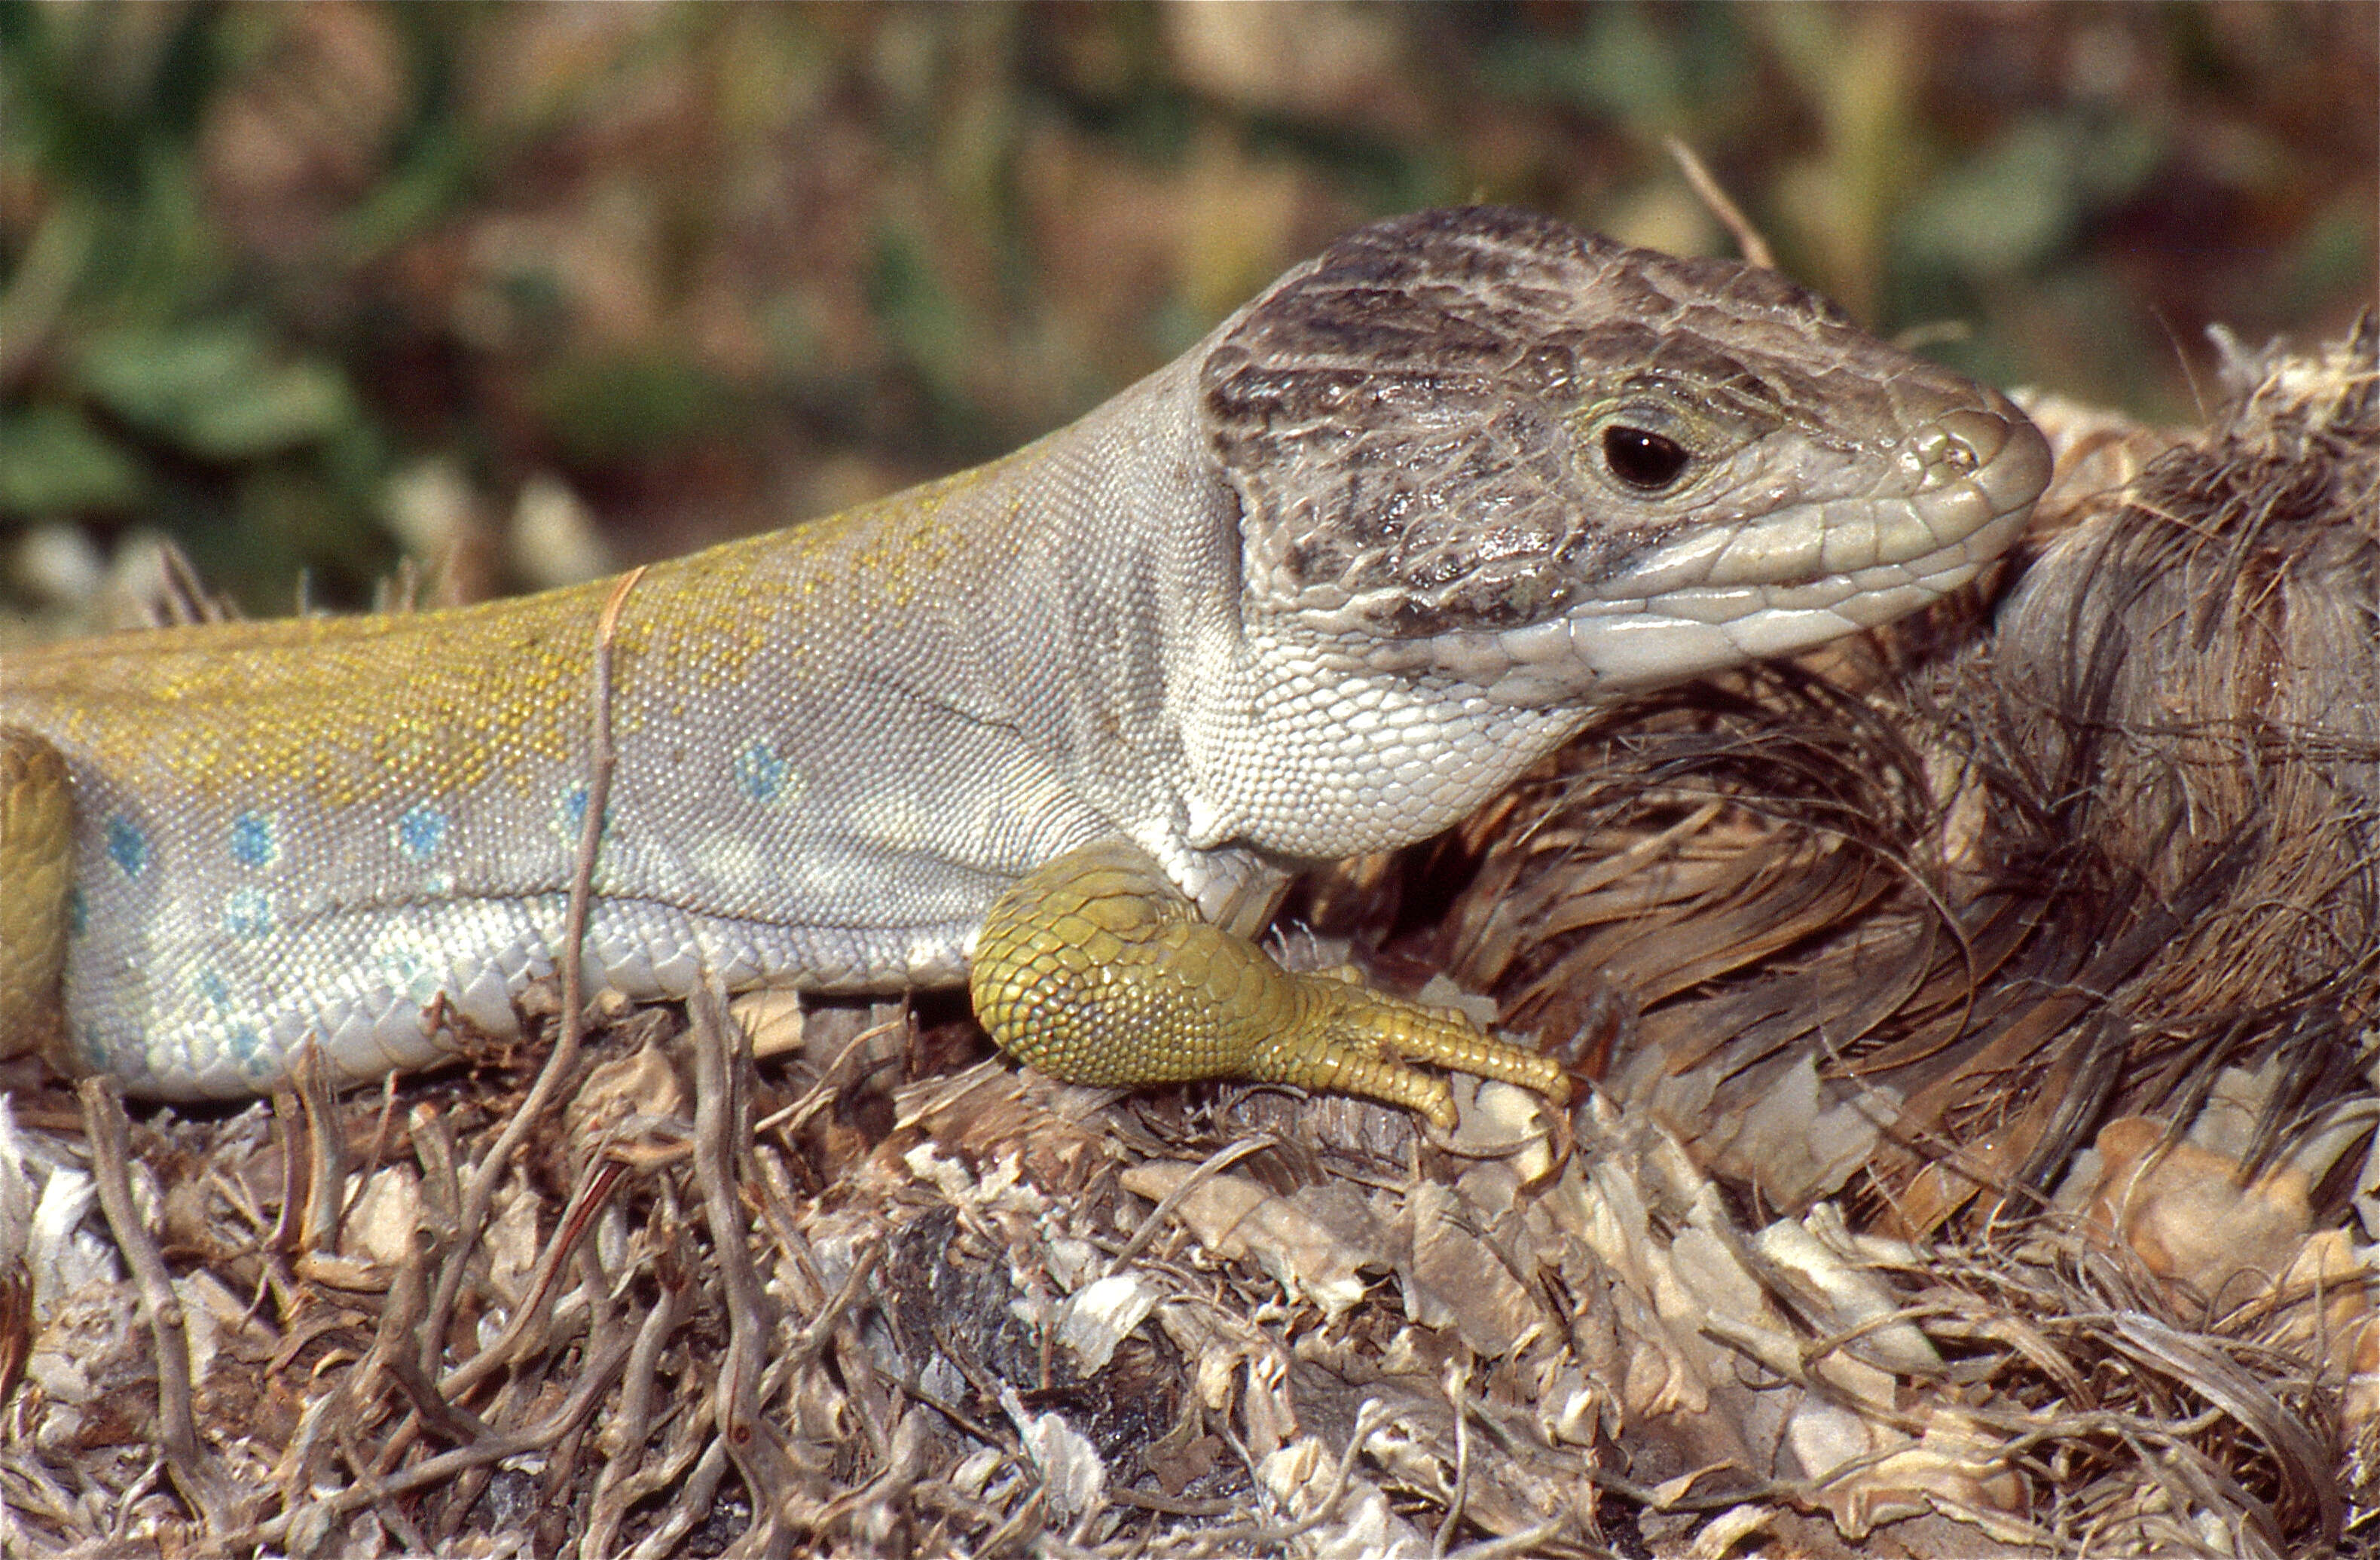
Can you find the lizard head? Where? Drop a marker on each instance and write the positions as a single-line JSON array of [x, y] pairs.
[[1483, 444]]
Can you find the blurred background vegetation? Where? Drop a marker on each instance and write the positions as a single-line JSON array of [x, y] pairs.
[[533, 290]]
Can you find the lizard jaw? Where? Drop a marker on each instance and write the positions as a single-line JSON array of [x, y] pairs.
[[1771, 585]]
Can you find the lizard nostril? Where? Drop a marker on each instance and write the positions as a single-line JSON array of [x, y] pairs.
[[1973, 438], [1957, 445]]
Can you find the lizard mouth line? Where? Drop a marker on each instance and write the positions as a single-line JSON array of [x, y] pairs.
[[1959, 478], [1691, 609], [1785, 581]]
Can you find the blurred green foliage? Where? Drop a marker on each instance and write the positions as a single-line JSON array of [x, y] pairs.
[[148, 371], [719, 266]]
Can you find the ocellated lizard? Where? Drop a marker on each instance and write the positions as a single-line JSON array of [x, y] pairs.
[[1320, 586]]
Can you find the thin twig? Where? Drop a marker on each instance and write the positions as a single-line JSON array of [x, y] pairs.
[[1453, 1384], [177, 1431], [722, 1117], [691, 1506], [632, 1417], [594, 1381], [1213, 1166], [326, 1165], [1532, 1540], [602, 759], [1747, 237], [289, 1124], [524, 1330], [1252, 1536]]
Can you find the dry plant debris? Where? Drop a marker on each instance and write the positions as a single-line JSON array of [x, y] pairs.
[[1981, 1160]]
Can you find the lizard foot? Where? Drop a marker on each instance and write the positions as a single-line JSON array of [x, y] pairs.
[[1097, 968]]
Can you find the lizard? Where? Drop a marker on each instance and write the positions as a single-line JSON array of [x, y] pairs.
[[1057, 727]]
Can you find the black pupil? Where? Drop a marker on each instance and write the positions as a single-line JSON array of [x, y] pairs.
[[1641, 459]]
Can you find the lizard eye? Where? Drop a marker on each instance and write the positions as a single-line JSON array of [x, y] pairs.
[[1643, 459]]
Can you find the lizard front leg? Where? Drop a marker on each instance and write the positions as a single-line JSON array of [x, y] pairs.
[[1096, 969]]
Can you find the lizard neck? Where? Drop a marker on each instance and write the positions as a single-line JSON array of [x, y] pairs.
[[1259, 740], [1310, 754]]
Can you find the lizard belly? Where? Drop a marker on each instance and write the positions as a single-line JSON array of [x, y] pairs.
[[223, 1016], [210, 935]]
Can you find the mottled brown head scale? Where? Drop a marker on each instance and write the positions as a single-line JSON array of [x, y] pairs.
[[1407, 422]]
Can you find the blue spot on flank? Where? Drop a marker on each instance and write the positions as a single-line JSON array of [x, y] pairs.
[[211, 987], [128, 846], [573, 808], [251, 840], [248, 913], [78, 912], [420, 831], [759, 773], [243, 1042]]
